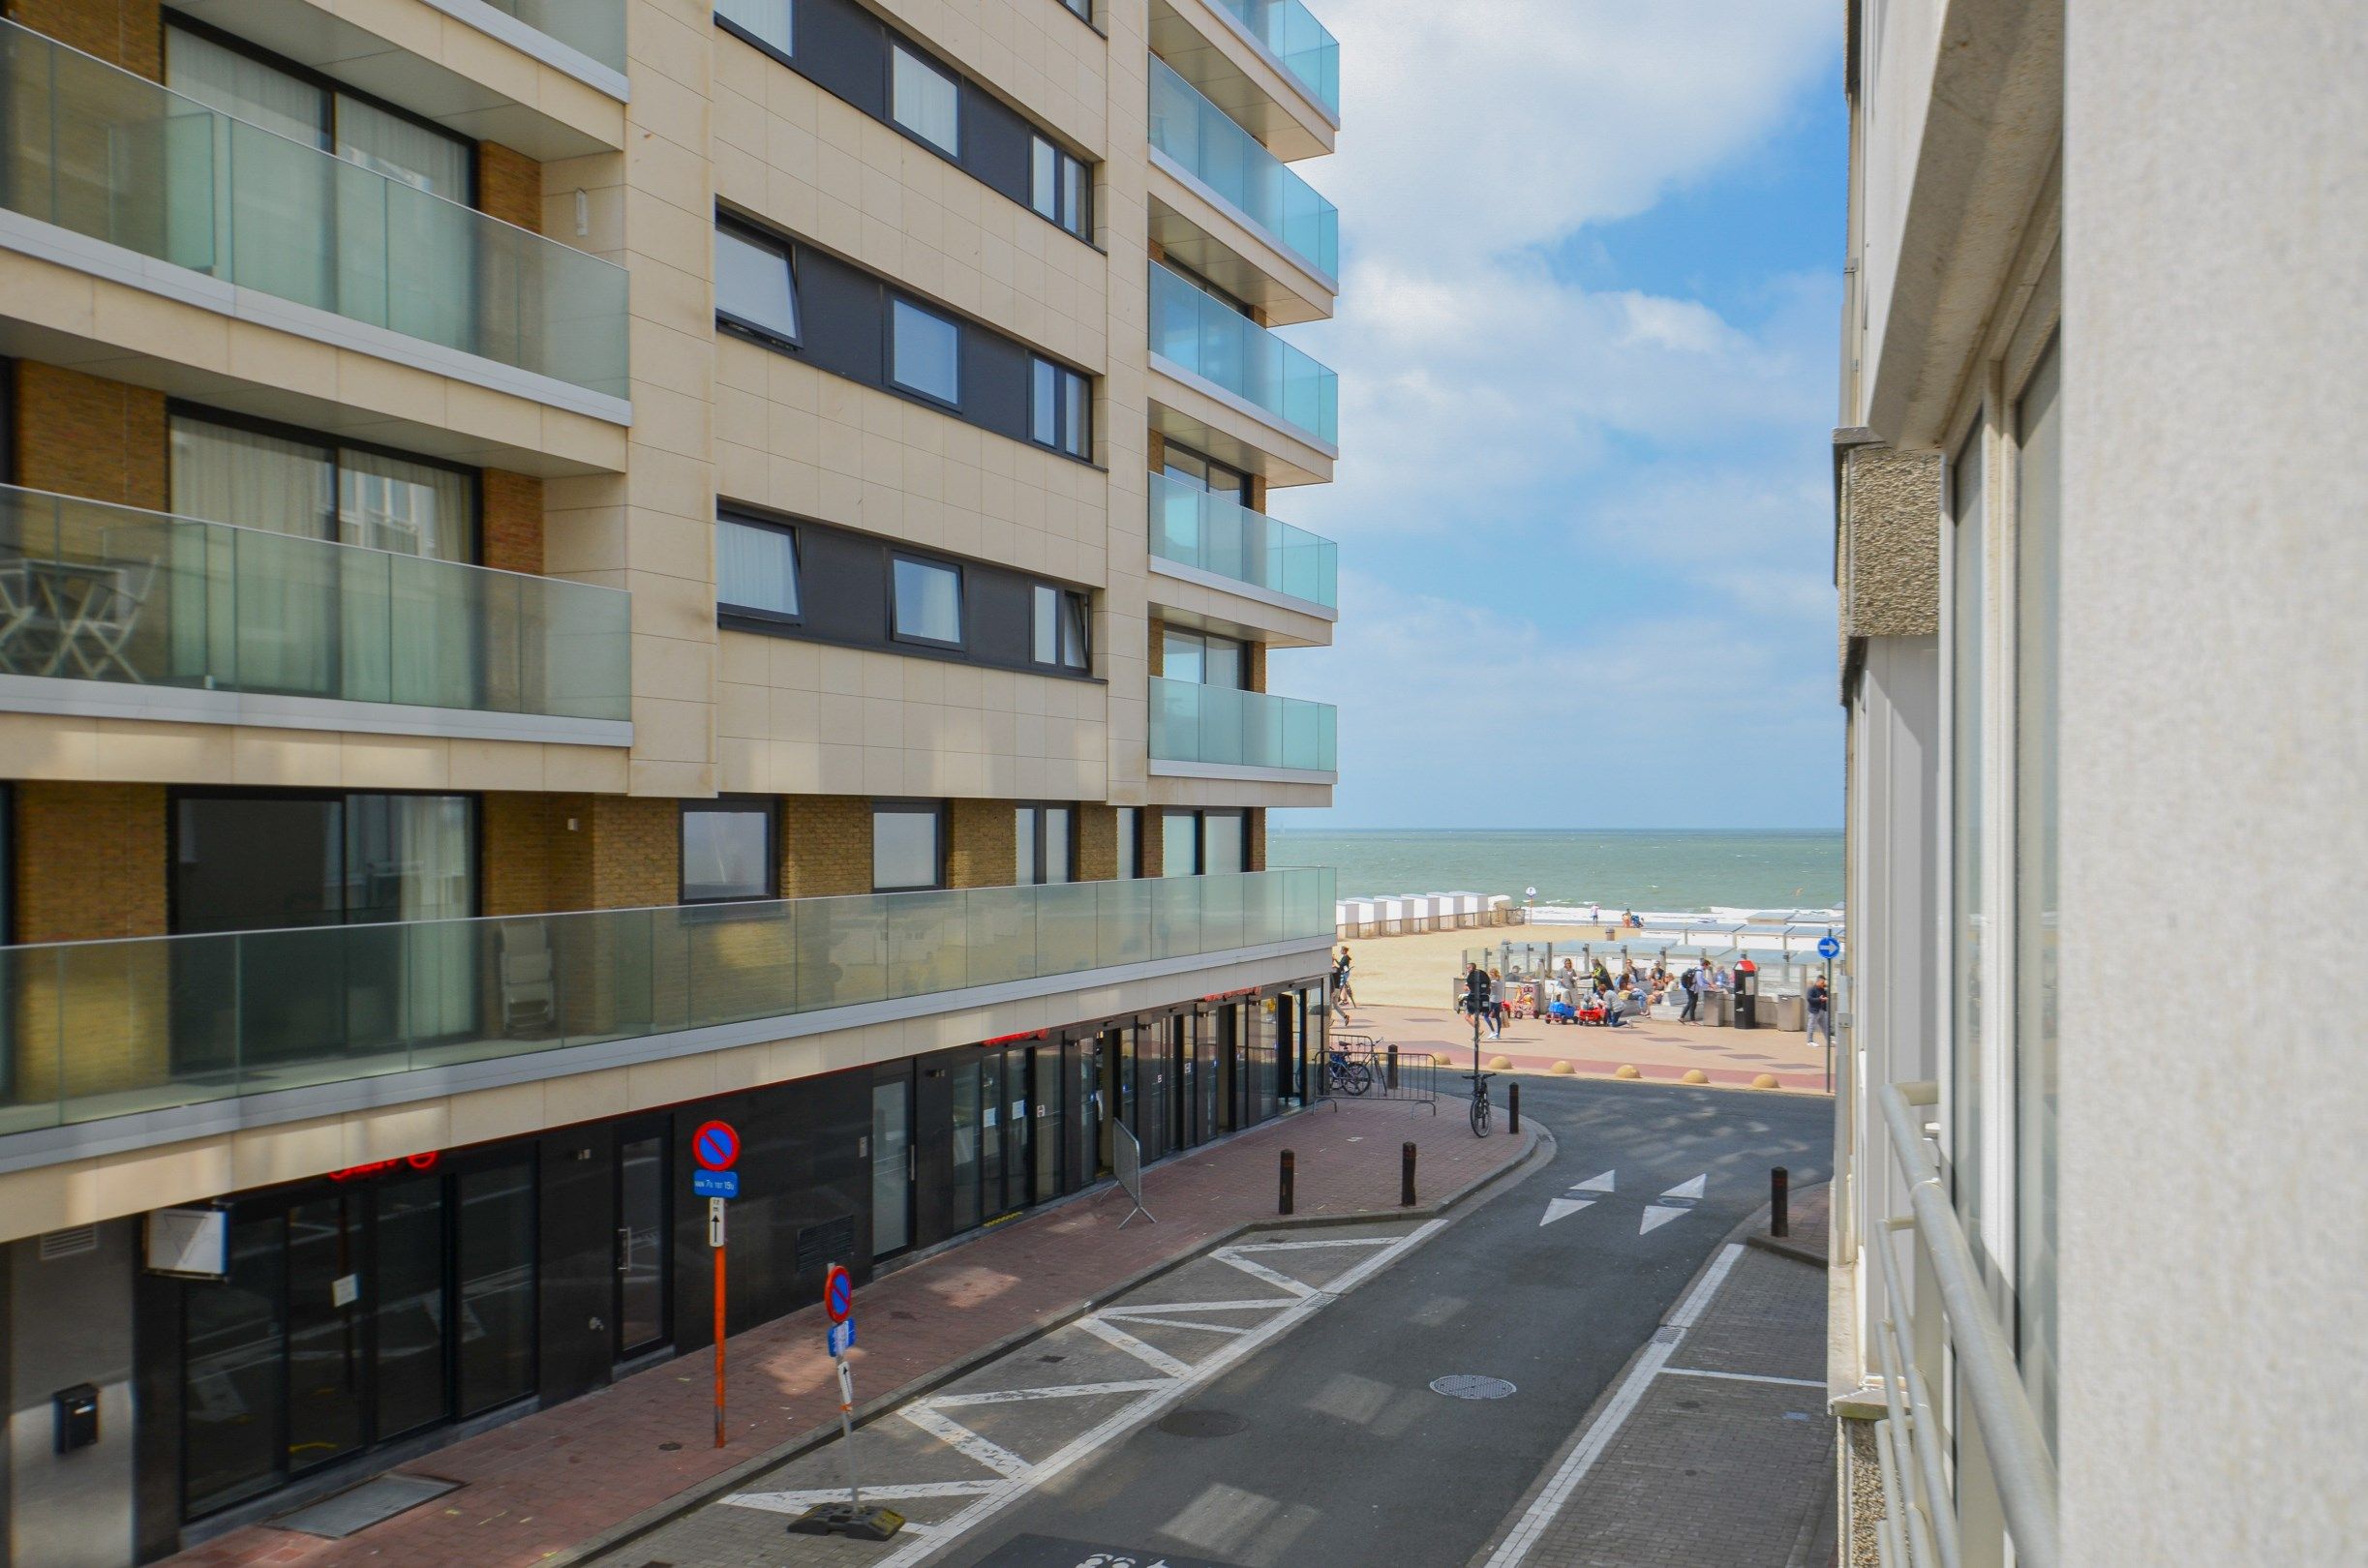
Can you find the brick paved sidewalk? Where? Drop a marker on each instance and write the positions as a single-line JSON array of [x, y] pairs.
[[1660, 1052], [555, 1480]]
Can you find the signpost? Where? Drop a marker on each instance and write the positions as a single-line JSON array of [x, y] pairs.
[[716, 1147], [1828, 948], [850, 1517]]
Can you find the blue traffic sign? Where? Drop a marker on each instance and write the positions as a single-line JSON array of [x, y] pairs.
[[714, 1146], [843, 1336], [722, 1184], [1828, 947]]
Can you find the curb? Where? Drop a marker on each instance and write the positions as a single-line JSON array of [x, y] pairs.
[[697, 1495], [1781, 1246]]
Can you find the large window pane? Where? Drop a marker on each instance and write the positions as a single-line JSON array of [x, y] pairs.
[[1183, 656], [411, 508], [2038, 532], [891, 1185], [1970, 923], [966, 1139], [1179, 844], [1130, 845], [1057, 837], [410, 1305], [754, 286], [1044, 402], [1223, 847], [924, 100], [1046, 605], [1076, 647], [928, 601], [928, 352], [904, 849], [230, 1355], [769, 20], [497, 1286], [239, 84], [727, 852], [756, 568], [420, 156], [1023, 840]]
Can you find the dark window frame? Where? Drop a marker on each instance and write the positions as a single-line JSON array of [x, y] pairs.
[[1073, 391], [900, 807], [961, 600], [727, 609], [894, 297], [279, 430], [312, 77], [735, 805], [1039, 808], [1081, 10], [1199, 816], [1129, 865], [1062, 597], [952, 78], [1076, 221], [176, 794], [1204, 637], [751, 235]]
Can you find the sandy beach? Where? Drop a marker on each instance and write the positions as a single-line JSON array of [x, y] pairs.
[[1416, 971], [1662, 1052]]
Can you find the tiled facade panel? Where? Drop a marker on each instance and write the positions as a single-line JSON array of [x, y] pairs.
[[81, 436], [509, 186], [129, 33]]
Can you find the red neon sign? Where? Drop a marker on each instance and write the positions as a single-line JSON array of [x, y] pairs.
[[1006, 1039], [376, 1167]]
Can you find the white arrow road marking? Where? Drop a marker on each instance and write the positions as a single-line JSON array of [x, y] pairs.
[[798, 1502], [1150, 1355], [1597, 1184], [1564, 1208], [1688, 1190], [1656, 1216]]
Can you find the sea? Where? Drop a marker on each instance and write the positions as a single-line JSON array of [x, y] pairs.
[[1675, 871]]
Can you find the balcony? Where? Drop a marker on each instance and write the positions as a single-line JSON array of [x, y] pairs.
[[1228, 160], [595, 28], [106, 608], [117, 158], [1197, 333], [1293, 35], [109, 1029], [1209, 533], [1220, 727]]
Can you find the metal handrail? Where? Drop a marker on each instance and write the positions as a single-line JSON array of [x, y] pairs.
[[2018, 1459]]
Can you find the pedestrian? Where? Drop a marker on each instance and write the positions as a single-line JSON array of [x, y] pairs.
[[1340, 987], [1820, 1010], [1691, 980], [1496, 1003]]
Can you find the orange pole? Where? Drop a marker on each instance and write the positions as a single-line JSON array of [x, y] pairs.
[[720, 1346]]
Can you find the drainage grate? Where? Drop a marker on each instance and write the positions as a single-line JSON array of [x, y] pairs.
[[357, 1509], [1466, 1386]]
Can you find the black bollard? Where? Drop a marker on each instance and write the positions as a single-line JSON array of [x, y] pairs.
[[1512, 1097], [1779, 1203], [1406, 1176], [1391, 1081], [1290, 1171]]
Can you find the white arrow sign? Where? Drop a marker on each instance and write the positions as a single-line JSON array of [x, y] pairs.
[[1678, 1201], [1562, 1208], [1597, 1184]]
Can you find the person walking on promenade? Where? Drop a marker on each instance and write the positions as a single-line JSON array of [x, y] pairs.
[[1342, 990], [1820, 1010], [1691, 980], [1496, 1003]]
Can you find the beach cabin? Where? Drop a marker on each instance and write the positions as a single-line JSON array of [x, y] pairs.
[[1389, 917], [1499, 909], [1422, 913], [1357, 917]]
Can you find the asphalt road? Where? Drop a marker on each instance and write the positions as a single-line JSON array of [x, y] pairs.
[[1328, 1449]]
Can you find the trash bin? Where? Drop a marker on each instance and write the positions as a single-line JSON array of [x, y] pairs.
[[1747, 998], [1791, 1011]]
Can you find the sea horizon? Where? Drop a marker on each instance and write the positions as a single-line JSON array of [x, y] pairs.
[[1673, 870]]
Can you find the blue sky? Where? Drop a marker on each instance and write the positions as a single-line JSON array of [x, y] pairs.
[[1587, 344]]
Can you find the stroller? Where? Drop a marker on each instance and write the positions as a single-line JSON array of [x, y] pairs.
[[1561, 1012]]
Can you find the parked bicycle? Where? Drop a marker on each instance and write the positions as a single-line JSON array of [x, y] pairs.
[[1344, 1075]]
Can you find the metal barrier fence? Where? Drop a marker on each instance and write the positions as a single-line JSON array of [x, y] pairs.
[[1360, 1067]]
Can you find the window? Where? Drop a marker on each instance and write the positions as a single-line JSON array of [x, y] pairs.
[[728, 851], [1057, 186], [1206, 475], [1969, 917], [756, 568], [1059, 409], [1199, 843], [1179, 844], [929, 602], [755, 287], [907, 847], [924, 100], [1060, 620], [771, 23], [928, 353], [1084, 8], [1203, 659], [1044, 841], [1130, 841]]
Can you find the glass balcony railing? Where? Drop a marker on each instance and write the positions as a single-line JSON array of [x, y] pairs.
[[117, 158], [1230, 161], [1298, 39], [1193, 723], [90, 591], [1201, 333], [597, 28], [99, 1029], [1192, 528]]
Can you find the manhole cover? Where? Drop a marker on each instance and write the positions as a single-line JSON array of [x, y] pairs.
[[1202, 1424], [1466, 1386]]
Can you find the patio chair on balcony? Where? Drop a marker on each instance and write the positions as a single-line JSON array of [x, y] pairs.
[[529, 995]]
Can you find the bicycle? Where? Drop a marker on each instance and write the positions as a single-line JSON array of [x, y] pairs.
[[1480, 1081], [1344, 1075]]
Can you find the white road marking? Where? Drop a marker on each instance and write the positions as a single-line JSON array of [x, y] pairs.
[[1304, 1245], [1657, 1215], [1563, 1209], [1741, 1377], [1090, 1443], [1200, 1306], [1688, 1190], [1631, 1392], [1282, 1282], [1597, 1184], [963, 1440], [798, 1502], [1064, 1391], [1184, 1322], [1150, 1355]]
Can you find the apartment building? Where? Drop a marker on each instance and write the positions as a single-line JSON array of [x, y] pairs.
[[2104, 609], [574, 567]]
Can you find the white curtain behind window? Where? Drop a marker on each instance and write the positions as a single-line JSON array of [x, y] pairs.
[[414, 633], [251, 608], [435, 872]]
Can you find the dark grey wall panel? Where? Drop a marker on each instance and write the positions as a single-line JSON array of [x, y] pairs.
[[576, 1246]]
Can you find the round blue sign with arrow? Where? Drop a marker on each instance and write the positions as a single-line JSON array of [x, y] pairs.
[[1829, 946]]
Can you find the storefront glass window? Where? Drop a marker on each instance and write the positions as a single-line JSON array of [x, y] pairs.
[[230, 1358], [497, 1286]]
